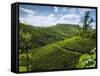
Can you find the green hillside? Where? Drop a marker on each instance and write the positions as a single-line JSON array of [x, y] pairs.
[[79, 44], [53, 57], [52, 48], [57, 56], [45, 35]]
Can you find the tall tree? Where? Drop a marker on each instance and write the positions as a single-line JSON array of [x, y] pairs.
[[87, 20], [25, 43]]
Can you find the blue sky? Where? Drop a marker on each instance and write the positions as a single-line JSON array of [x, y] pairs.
[[51, 15]]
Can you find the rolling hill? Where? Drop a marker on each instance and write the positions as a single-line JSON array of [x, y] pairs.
[[45, 35], [59, 55], [52, 48]]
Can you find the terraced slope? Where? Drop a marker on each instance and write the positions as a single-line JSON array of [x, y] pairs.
[[78, 44], [51, 48], [58, 55], [53, 57]]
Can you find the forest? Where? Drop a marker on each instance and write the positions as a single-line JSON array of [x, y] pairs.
[[62, 46]]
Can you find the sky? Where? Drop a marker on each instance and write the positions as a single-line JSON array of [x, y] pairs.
[[51, 15]]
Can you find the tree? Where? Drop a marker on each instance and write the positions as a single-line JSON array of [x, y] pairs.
[[87, 20], [25, 43]]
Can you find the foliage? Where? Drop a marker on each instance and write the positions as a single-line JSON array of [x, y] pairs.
[[87, 27], [87, 20], [88, 60], [22, 59], [55, 47], [22, 69], [41, 36], [93, 34], [79, 44], [52, 56]]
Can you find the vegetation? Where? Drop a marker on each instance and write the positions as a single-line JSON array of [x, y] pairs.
[[63, 46], [88, 60]]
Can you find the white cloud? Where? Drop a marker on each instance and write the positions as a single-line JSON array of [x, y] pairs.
[[70, 19], [93, 25], [70, 16], [51, 15], [64, 9], [27, 10], [55, 9], [50, 20], [72, 10], [39, 20]]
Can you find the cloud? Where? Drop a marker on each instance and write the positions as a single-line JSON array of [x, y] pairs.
[[50, 20], [39, 20], [55, 9], [51, 15], [28, 11], [73, 16], [93, 25], [64, 9], [72, 11], [70, 19], [69, 10]]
